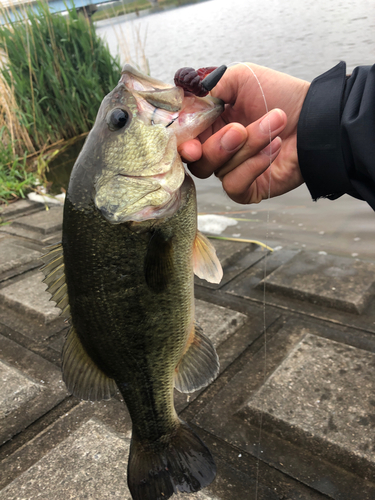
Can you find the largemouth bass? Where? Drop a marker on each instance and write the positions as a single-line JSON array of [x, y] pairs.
[[124, 276]]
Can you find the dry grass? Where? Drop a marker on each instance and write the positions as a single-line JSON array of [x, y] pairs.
[[15, 133]]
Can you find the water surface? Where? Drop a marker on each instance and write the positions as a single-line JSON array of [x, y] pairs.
[[301, 38]]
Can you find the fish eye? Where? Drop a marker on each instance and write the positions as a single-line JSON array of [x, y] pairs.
[[117, 119]]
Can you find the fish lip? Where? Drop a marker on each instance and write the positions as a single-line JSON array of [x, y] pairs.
[[147, 91]]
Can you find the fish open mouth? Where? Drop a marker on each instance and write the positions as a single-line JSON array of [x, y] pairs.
[[172, 107], [194, 116]]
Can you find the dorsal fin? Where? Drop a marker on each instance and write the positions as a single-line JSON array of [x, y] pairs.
[[205, 262], [54, 272], [199, 365], [81, 375]]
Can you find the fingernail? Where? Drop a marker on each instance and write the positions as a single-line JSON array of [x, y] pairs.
[[272, 121], [273, 147], [187, 158], [232, 140]]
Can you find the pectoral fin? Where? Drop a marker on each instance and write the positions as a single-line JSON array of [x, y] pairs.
[[199, 364], [158, 265], [81, 375], [205, 262]]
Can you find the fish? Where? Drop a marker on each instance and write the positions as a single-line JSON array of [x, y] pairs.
[[124, 276]]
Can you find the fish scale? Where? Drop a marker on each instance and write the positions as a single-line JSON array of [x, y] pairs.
[[127, 305]]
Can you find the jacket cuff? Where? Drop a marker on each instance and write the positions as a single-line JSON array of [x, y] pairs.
[[319, 136]]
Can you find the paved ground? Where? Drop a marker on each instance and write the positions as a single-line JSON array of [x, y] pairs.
[[308, 382]]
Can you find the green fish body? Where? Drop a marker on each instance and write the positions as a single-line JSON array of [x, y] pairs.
[[124, 274]]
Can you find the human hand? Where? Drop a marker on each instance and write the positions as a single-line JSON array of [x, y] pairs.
[[237, 146]]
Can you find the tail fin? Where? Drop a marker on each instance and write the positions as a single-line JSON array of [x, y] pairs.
[[184, 463]]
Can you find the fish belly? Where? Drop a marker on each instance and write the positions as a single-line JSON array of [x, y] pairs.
[[134, 334]]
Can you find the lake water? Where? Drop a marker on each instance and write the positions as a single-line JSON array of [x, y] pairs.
[[301, 38]]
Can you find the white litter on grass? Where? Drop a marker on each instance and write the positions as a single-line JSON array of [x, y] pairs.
[[56, 200], [215, 224]]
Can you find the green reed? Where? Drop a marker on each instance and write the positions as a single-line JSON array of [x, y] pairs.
[[59, 70]]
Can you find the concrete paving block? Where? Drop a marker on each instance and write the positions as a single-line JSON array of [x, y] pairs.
[[43, 226], [28, 296], [91, 463], [217, 322], [338, 282], [14, 254], [44, 222], [324, 389], [19, 208], [16, 389], [30, 386], [240, 415]]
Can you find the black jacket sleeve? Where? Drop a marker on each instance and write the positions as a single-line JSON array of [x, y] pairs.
[[336, 134]]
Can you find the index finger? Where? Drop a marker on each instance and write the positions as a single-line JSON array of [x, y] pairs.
[[218, 149]]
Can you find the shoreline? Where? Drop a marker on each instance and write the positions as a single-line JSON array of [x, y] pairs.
[[101, 23]]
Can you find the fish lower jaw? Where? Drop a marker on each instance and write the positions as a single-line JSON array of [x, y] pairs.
[[161, 211]]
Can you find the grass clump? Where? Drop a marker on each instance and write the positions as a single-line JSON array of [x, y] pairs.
[[54, 72], [15, 180]]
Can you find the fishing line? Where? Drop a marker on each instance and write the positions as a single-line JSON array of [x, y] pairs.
[[264, 278]]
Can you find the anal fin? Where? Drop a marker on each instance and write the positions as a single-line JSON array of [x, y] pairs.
[[205, 262], [199, 365], [81, 375]]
